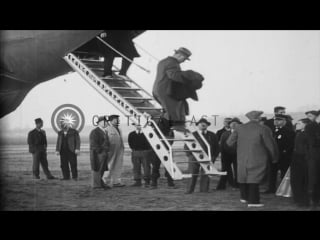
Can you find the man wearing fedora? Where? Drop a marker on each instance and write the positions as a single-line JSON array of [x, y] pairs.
[[99, 148], [255, 146], [279, 110], [169, 71], [226, 127], [37, 141], [193, 166], [68, 147], [116, 151]]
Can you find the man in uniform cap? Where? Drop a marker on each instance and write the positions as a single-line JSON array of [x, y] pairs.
[[99, 148], [284, 137], [194, 166], [37, 142], [255, 145], [116, 151], [279, 110], [169, 71]]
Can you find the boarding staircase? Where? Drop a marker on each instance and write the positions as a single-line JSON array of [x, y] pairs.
[[140, 107]]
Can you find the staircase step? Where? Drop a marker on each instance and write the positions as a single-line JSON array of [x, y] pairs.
[[138, 98], [115, 79], [193, 162], [185, 150], [178, 140], [126, 88], [149, 108]]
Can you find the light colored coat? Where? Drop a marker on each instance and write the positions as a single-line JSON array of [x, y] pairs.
[[116, 153], [255, 147]]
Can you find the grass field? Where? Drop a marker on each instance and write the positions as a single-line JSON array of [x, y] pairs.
[[20, 192]]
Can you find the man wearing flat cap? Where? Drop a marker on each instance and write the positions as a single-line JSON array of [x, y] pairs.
[[37, 141], [255, 145], [284, 137], [99, 149], [194, 167], [312, 115], [312, 131], [116, 151], [169, 71]]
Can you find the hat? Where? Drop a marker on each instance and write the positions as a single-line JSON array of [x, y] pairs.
[[263, 119], [254, 115], [101, 118], [111, 117], [280, 117], [184, 51], [228, 119], [313, 112], [38, 120], [237, 120], [203, 120]]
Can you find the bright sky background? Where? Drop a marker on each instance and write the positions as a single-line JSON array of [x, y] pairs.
[[243, 70]]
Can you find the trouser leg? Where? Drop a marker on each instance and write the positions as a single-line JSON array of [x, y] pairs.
[[44, 164], [235, 171], [253, 193], [73, 165], [155, 161], [108, 63], [273, 172], [36, 164], [204, 181], [243, 191], [193, 168], [223, 179], [146, 166], [125, 66], [136, 162], [65, 165]]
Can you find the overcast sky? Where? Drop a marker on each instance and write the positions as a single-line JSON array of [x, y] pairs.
[[243, 70]]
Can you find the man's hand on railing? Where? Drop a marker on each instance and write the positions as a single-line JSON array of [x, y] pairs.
[[103, 35]]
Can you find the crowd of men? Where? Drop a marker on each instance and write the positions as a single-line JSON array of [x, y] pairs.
[[251, 153]]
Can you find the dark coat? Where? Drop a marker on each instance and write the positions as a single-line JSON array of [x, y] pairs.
[[99, 145], [313, 135], [255, 146], [285, 141], [73, 140], [187, 89], [169, 70], [212, 140], [226, 150], [220, 132], [37, 140]]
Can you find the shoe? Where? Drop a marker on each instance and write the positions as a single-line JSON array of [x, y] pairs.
[[118, 185], [51, 178], [137, 184], [220, 188], [123, 77], [256, 205], [36, 177], [107, 76], [171, 185], [153, 186], [147, 184], [64, 179], [243, 201], [75, 179]]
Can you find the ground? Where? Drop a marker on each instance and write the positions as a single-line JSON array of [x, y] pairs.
[[20, 192]]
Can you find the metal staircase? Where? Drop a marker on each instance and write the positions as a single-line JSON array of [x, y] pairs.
[[140, 107]]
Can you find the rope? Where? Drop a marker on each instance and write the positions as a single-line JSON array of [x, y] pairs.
[[125, 57], [147, 52]]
